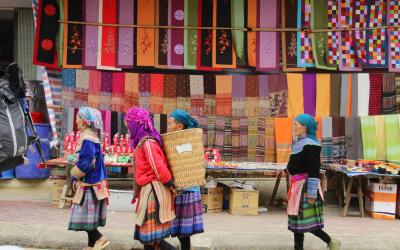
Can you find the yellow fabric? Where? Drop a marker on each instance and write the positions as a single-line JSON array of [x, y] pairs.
[[380, 130], [323, 105], [295, 93]]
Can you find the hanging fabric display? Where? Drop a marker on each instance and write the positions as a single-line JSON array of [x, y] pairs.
[[260, 148], [278, 95], [381, 134], [377, 51], [368, 137], [319, 20], [235, 138], [238, 95], [268, 42], [244, 128], [145, 36], [224, 95], [203, 125], [190, 35], [237, 15], [176, 17], [360, 90], [161, 35], [95, 88], [72, 57], [157, 88], [360, 13], [211, 130], [205, 41], [131, 90], [392, 126], [125, 50], [118, 92], [304, 44], [335, 91], [68, 87], [169, 93], [323, 98], [223, 53], [263, 102], [388, 94], [252, 35], [283, 139], [183, 92], [348, 58], [82, 88], [90, 34], [397, 81], [289, 39], [353, 138], [309, 93], [270, 143], [209, 94], [327, 140], [60, 34], [145, 91], [196, 95], [252, 95], [219, 135], [375, 94], [228, 139], [345, 95], [252, 138], [393, 19], [295, 95], [339, 142], [333, 44], [106, 90]]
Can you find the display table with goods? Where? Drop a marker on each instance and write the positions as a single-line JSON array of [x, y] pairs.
[[352, 175]]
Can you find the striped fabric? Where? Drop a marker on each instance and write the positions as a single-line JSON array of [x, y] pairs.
[[260, 147], [220, 134], [270, 143], [235, 139], [197, 95], [211, 131], [388, 94], [224, 95], [244, 124], [252, 138], [228, 139]]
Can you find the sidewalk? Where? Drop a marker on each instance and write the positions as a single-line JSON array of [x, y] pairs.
[[41, 225]]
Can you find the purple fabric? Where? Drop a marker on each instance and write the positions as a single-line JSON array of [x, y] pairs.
[[176, 36], [140, 124], [90, 34], [309, 93], [239, 86], [106, 82], [263, 86], [125, 35]]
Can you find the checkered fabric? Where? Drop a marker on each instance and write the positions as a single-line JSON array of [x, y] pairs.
[[393, 18], [377, 38], [333, 37], [306, 58], [360, 21]]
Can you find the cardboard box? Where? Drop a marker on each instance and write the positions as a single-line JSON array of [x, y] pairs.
[[380, 201], [212, 199], [243, 202], [56, 190]]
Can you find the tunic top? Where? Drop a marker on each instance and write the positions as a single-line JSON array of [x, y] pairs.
[[91, 151]]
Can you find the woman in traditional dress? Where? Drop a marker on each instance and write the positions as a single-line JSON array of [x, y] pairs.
[[305, 198], [188, 205], [89, 207], [153, 181]]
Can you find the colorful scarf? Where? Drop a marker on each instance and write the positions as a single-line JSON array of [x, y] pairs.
[[145, 36], [73, 35], [295, 94], [145, 91], [90, 34], [157, 88], [393, 19], [283, 133], [126, 36], [238, 95], [197, 95], [107, 35], [263, 103], [106, 90], [95, 88], [161, 35], [244, 128], [339, 141], [377, 52], [176, 17], [68, 87], [304, 44], [323, 98], [252, 138], [209, 94], [211, 130], [252, 95], [190, 35], [235, 139], [278, 94], [237, 14], [369, 138], [270, 142], [203, 125], [183, 92], [309, 93], [220, 134], [360, 21], [228, 139], [118, 92], [260, 146], [388, 94], [169, 93], [131, 90], [353, 138], [82, 87], [252, 36], [375, 94], [92, 117], [392, 123], [333, 45], [224, 95]]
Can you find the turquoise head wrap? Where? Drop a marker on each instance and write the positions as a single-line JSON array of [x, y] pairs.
[[311, 125], [184, 118]]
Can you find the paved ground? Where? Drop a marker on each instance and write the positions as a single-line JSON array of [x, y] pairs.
[[41, 225]]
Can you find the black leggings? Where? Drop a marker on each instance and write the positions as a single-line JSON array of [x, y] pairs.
[[299, 238], [93, 236], [185, 242]]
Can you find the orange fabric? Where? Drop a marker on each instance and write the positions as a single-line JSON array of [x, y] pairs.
[[224, 95], [319, 131], [145, 37], [323, 105], [252, 36], [295, 95], [284, 137]]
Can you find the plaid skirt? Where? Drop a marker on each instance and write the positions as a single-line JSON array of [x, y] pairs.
[[152, 231], [189, 214], [90, 214]]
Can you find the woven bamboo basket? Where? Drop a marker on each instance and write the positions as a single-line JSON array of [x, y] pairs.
[[185, 153]]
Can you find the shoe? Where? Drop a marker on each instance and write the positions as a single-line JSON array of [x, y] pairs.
[[101, 243], [334, 244]]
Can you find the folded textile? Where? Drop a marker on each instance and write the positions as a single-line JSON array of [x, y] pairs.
[[312, 187]]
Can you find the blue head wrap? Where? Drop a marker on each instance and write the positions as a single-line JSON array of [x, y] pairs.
[[184, 118]]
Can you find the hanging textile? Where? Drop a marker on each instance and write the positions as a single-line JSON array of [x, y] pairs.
[[289, 39], [196, 95], [183, 92], [118, 92], [95, 89], [224, 95], [67, 121], [375, 94], [388, 94], [169, 94], [121, 124], [131, 90], [270, 143], [209, 94], [164, 123], [211, 130], [323, 98], [353, 138], [114, 123], [82, 88], [335, 91], [278, 94], [244, 129], [106, 90], [235, 139], [161, 35], [348, 59], [107, 122], [203, 125], [333, 44], [237, 18], [295, 94], [284, 136], [145, 50], [309, 93], [392, 127], [260, 148], [157, 122], [393, 9], [263, 102], [327, 140], [252, 95], [252, 138], [319, 20], [339, 141], [125, 50], [363, 85], [145, 91], [157, 88], [176, 17], [72, 57], [268, 48], [53, 99], [345, 95], [68, 87], [304, 43], [360, 13], [238, 95], [205, 41], [228, 139], [219, 135], [252, 35], [381, 134], [397, 80], [190, 43], [45, 51], [107, 57], [90, 34], [60, 34], [369, 137], [377, 51]]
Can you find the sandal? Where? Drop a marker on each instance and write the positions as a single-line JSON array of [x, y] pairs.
[[102, 243]]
